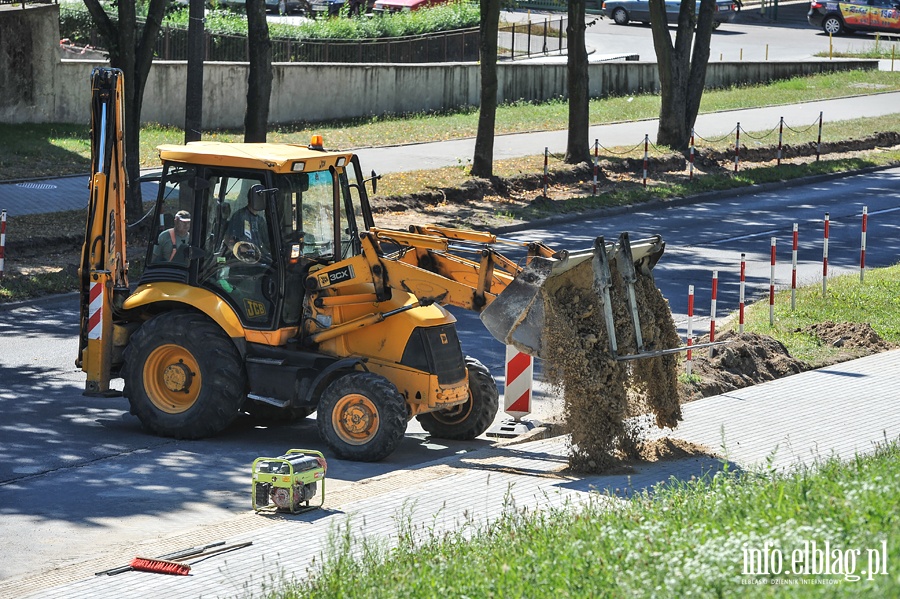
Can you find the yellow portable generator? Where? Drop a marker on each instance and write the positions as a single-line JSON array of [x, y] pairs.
[[288, 483]]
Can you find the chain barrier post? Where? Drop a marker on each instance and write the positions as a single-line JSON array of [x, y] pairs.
[[646, 152], [819, 143], [690, 329], [780, 137], [596, 164], [862, 250], [741, 295], [825, 258], [546, 168], [772, 288], [712, 308], [737, 147], [2, 242], [691, 173], [794, 267]]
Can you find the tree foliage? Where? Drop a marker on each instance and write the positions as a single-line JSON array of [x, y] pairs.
[[682, 68]]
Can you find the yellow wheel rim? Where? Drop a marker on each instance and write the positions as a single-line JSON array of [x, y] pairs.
[[355, 419], [172, 378]]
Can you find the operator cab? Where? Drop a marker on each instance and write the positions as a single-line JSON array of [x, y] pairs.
[[261, 216]]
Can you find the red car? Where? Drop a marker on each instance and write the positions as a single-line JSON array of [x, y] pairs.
[[400, 5]]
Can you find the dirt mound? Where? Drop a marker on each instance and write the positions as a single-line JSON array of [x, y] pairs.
[[850, 335], [599, 392], [667, 448], [747, 359]]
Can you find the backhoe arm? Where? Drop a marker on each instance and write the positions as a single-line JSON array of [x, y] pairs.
[[103, 270]]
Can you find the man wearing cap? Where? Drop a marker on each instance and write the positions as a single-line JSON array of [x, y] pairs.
[[171, 246]]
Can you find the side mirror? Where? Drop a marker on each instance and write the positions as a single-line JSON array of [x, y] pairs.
[[256, 198], [374, 179]]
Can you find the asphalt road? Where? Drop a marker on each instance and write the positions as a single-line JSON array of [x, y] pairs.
[[79, 477]]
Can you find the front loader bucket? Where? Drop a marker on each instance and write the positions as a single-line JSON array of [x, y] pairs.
[[516, 316]]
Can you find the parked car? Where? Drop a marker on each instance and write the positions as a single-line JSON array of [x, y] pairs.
[[401, 5], [855, 15], [623, 12]]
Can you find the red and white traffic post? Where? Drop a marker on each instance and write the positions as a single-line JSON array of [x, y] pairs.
[[780, 137], [862, 249], [596, 164], [646, 155], [519, 383], [737, 147], [691, 171], [825, 257], [741, 294], [546, 168], [2, 242], [772, 288], [794, 267], [712, 307], [690, 330]]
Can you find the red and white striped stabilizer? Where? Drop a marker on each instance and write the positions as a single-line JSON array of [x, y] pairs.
[[519, 382], [95, 312]]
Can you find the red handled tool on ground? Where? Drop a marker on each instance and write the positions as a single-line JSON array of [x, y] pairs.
[[172, 563]]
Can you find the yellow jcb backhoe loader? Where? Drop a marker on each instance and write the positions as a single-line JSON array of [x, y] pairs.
[[268, 289]]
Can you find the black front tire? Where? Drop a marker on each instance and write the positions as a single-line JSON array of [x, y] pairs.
[[468, 420], [620, 16], [184, 377], [833, 25], [362, 417]]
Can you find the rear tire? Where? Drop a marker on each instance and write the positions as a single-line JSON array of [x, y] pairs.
[[620, 16], [184, 377], [833, 25], [362, 417], [468, 420]]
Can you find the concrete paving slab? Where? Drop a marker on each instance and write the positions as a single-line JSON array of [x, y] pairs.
[[836, 411]]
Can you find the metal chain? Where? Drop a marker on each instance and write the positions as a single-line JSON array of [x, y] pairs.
[[723, 138], [744, 131], [620, 153], [815, 123]]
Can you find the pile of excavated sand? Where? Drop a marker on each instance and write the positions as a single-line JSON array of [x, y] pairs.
[[600, 392], [746, 359], [850, 335]]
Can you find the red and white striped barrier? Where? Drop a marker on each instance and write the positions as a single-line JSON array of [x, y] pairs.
[[95, 311], [690, 329], [794, 267], [780, 137], [519, 382], [825, 258], [546, 168], [772, 288], [819, 142], [741, 294], [596, 164], [712, 308], [737, 147], [691, 172], [2, 242], [862, 249]]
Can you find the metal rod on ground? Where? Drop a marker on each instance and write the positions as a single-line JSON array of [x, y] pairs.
[[780, 137], [772, 288], [794, 268], [825, 258], [596, 163], [2, 242], [737, 146], [646, 151], [690, 329], [819, 143], [862, 249], [712, 308], [741, 295], [546, 168], [691, 173]]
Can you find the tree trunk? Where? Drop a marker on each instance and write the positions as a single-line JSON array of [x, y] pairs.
[[193, 98], [578, 147], [483, 160], [133, 55], [259, 81], [681, 75]]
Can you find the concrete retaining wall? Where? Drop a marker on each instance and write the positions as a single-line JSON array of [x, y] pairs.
[[49, 89]]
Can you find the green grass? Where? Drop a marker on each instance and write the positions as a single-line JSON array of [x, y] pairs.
[[682, 539], [17, 287], [49, 150], [875, 301]]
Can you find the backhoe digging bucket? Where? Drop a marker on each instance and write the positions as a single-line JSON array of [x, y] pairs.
[[516, 316]]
